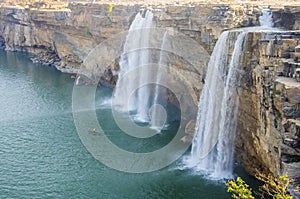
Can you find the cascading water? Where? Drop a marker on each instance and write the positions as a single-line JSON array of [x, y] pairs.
[[266, 19], [158, 122], [213, 143], [136, 54]]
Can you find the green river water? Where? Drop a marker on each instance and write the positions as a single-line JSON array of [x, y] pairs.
[[41, 155]]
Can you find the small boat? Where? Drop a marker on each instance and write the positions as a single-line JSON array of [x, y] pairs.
[[94, 133]]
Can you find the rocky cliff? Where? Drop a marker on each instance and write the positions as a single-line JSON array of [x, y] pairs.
[[269, 133], [269, 126], [65, 37]]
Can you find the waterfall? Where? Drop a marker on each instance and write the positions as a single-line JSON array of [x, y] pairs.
[[266, 20], [213, 143], [136, 54], [158, 122]]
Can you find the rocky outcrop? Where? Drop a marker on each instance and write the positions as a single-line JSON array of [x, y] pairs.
[[287, 17], [268, 132], [70, 34]]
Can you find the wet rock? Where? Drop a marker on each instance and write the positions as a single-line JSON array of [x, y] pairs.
[[189, 131], [2, 43]]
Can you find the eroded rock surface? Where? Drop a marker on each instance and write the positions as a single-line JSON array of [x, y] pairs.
[[268, 132]]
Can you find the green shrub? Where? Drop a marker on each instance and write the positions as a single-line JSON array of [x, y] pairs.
[[275, 91], [87, 32], [23, 4], [274, 187], [278, 116], [110, 8], [239, 189]]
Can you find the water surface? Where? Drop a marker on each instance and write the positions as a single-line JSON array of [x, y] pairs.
[[43, 157]]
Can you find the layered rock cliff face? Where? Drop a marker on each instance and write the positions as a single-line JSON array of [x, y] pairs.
[[65, 37], [269, 134], [269, 127]]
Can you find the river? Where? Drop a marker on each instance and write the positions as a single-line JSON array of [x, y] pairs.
[[41, 155]]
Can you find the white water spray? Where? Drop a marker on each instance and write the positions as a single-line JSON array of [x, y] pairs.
[[143, 103], [157, 113], [266, 19], [136, 54], [213, 143]]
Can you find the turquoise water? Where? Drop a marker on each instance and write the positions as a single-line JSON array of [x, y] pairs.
[[41, 155]]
